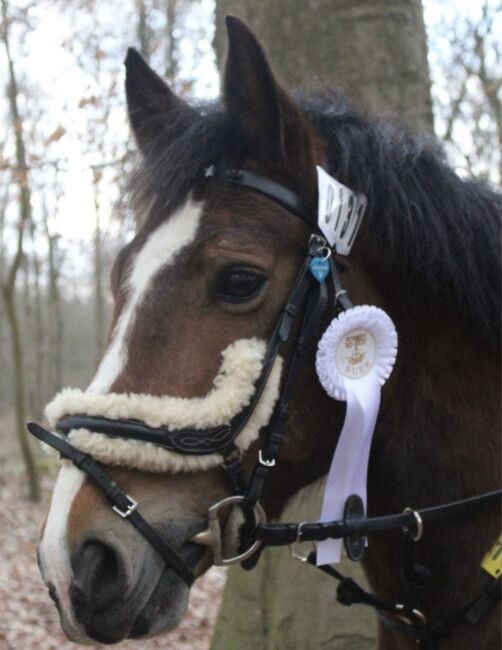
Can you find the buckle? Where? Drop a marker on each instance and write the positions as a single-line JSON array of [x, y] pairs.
[[410, 616], [291, 547], [131, 507], [264, 461]]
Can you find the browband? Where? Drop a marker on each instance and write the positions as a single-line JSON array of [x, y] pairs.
[[274, 191]]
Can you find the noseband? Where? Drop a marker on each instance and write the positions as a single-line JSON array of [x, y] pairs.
[[304, 308]]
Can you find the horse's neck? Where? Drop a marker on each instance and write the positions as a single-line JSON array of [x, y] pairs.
[[437, 436], [436, 441]]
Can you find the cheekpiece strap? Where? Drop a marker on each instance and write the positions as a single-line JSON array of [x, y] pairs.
[[121, 503]]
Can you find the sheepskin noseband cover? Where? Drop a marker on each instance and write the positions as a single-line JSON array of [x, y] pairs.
[[232, 390]]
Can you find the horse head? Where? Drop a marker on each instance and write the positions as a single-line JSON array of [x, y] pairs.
[[216, 310], [197, 294]]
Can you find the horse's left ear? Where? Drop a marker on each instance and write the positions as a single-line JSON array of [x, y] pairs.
[[151, 103]]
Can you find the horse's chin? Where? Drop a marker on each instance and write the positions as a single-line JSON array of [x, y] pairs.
[[162, 613]]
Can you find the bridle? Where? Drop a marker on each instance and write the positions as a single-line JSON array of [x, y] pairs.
[[301, 315]]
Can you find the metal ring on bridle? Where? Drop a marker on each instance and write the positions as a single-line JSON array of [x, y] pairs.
[[318, 240], [419, 524], [214, 530], [327, 255]]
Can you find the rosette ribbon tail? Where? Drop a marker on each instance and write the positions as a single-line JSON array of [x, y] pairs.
[[355, 357], [349, 467]]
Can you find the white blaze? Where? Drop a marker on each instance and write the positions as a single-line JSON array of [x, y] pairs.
[[53, 548], [159, 251]]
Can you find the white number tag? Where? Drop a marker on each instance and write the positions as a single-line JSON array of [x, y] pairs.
[[340, 212]]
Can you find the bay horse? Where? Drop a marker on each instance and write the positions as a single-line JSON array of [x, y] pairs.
[[216, 271]]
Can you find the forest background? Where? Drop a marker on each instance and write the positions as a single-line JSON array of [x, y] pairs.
[[66, 153]]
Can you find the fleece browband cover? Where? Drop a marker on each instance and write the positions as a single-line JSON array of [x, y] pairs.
[[233, 388]]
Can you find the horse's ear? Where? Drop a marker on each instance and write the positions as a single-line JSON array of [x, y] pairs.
[[150, 102], [250, 92]]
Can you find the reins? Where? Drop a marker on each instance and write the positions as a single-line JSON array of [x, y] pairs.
[[308, 298]]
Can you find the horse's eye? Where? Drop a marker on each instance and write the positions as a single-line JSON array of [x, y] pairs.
[[240, 284]]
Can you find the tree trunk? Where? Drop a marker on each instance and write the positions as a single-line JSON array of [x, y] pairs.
[[39, 339], [9, 283], [376, 52], [19, 394], [55, 324]]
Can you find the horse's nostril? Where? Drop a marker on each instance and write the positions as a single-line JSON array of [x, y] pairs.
[[99, 576]]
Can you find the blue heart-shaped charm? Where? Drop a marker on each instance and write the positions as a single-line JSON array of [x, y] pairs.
[[319, 267]]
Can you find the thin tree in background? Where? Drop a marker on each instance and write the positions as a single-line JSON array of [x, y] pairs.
[[99, 299], [171, 40], [55, 323], [468, 85], [11, 271], [144, 32]]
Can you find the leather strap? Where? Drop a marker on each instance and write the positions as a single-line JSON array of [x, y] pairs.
[[275, 191], [284, 534], [121, 503], [407, 620]]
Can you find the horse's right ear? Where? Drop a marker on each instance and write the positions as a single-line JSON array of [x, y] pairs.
[[151, 103]]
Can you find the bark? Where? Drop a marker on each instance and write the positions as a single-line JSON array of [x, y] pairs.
[[374, 50], [9, 282]]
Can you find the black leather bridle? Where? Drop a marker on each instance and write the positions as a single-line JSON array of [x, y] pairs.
[[305, 306]]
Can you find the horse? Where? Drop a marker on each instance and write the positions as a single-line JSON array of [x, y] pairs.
[[213, 309]]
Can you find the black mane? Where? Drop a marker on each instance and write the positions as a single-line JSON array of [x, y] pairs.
[[437, 233]]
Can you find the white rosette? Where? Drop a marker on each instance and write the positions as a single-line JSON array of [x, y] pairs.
[[355, 357]]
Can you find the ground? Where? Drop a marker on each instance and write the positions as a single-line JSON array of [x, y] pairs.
[[28, 619]]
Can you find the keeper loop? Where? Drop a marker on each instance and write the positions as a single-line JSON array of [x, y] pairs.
[[419, 525]]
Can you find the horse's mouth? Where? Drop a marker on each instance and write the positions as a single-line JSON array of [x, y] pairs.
[[162, 611]]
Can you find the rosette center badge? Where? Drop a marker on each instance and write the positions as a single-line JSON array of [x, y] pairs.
[[355, 354]]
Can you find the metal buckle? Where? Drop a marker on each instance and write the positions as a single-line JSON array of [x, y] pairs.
[[291, 547], [264, 462], [419, 616], [131, 507], [419, 524], [212, 535], [317, 240]]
